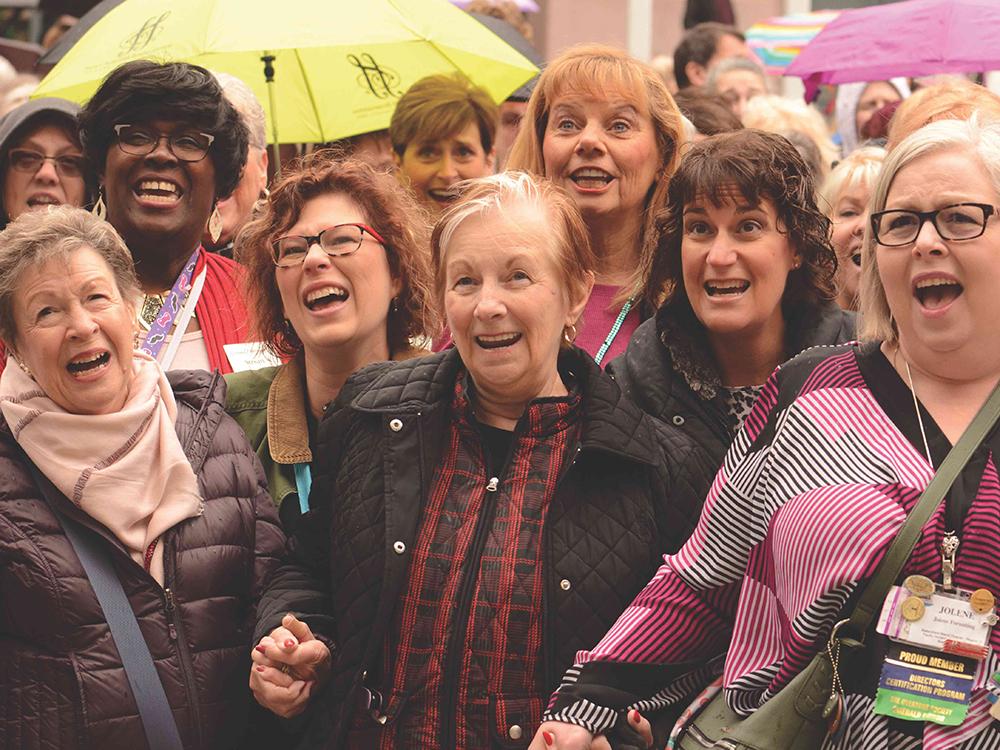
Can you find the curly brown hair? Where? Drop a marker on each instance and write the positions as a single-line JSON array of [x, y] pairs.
[[758, 165], [390, 210]]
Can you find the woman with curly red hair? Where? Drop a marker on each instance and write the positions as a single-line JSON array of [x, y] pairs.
[[337, 278]]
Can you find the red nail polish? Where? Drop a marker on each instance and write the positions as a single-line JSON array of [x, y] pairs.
[[261, 649], [634, 716], [547, 736], [259, 668], [289, 643]]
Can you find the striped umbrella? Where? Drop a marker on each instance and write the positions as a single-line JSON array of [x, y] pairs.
[[778, 40]]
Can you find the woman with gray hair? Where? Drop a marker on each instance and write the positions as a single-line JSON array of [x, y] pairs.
[[135, 526], [736, 81], [482, 513], [838, 449]]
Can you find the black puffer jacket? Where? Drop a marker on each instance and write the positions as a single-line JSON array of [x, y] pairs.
[[648, 374], [61, 681], [633, 493]]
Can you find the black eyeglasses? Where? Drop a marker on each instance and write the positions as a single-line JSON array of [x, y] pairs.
[[29, 162], [336, 241], [960, 221], [188, 145]]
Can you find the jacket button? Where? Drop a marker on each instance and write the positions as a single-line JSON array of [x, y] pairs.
[[678, 420], [565, 585], [398, 547], [515, 732], [395, 425]]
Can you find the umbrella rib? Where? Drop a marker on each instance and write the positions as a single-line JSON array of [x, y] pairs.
[[312, 98]]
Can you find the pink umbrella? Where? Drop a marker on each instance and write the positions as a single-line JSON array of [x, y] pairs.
[[912, 38]]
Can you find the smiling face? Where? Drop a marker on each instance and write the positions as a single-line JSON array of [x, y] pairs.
[[74, 332], [338, 305], [28, 191], [432, 168], [735, 263], [847, 232], [507, 304], [603, 153], [943, 293], [158, 198]]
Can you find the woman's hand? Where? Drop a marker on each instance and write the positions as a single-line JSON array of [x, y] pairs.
[[287, 666], [556, 735]]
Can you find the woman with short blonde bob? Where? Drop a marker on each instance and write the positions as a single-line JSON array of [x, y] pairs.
[[483, 512], [844, 197], [603, 126]]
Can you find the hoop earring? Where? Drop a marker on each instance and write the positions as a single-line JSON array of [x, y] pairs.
[[215, 224], [100, 209], [569, 333]]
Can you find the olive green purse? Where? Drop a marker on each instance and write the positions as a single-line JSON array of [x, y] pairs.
[[811, 706]]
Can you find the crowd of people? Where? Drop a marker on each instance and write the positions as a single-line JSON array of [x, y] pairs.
[[543, 423]]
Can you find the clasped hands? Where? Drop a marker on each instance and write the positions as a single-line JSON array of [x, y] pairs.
[[288, 666]]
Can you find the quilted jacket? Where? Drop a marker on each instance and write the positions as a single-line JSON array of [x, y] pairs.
[[647, 373], [62, 686], [633, 493]]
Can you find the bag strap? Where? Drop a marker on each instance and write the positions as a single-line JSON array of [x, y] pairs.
[[899, 551], [154, 709]]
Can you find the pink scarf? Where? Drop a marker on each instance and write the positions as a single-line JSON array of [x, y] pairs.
[[126, 470]]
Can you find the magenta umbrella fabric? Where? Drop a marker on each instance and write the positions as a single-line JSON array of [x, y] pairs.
[[912, 38]]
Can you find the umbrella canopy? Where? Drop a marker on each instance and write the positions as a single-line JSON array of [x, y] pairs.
[[338, 67], [777, 41], [912, 38]]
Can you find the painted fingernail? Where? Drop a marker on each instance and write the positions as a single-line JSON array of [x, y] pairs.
[[547, 736], [634, 716], [289, 643], [261, 649], [259, 668]]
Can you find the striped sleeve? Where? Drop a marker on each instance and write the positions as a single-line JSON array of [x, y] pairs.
[[673, 636]]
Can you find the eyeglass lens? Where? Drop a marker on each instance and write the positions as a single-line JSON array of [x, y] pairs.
[[186, 146], [961, 222], [340, 240], [30, 162]]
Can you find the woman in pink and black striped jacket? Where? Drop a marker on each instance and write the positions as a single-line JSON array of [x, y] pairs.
[[839, 446]]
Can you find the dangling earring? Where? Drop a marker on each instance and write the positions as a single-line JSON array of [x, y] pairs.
[[24, 368], [100, 209], [215, 224], [394, 308]]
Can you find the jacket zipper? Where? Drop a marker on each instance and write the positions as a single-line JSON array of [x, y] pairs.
[[456, 643], [175, 629]]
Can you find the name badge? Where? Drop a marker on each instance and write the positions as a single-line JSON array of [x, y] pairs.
[[955, 624], [252, 355]]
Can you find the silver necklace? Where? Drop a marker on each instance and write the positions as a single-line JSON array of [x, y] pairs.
[[916, 408]]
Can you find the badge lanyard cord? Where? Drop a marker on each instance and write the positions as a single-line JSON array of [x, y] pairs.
[[613, 333], [177, 307]]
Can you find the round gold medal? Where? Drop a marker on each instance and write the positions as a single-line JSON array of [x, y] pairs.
[[921, 586], [982, 601], [912, 608]]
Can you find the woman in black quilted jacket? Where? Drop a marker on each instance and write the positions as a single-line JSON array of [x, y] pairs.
[[479, 515], [152, 470]]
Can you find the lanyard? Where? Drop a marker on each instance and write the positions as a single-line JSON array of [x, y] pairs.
[[613, 333], [177, 307], [303, 483]]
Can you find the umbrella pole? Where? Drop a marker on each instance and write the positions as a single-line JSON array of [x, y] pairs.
[[268, 61]]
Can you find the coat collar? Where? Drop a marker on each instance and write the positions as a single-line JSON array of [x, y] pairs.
[[611, 422], [287, 423]]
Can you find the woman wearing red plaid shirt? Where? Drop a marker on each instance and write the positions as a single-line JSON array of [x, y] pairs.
[[478, 515]]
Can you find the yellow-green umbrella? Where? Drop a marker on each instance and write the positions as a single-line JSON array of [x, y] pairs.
[[339, 66]]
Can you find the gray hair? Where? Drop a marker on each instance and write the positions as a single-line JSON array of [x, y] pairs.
[[36, 237], [981, 140], [246, 103], [728, 65]]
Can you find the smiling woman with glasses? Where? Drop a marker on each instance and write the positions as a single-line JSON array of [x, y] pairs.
[[167, 146], [41, 160], [338, 278]]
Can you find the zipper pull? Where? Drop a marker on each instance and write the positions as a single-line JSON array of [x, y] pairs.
[[169, 596], [949, 546], [492, 484]]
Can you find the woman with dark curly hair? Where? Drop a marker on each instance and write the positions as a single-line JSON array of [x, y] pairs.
[[747, 257], [167, 146], [337, 278]]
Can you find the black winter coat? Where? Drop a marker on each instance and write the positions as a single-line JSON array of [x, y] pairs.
[[62, 686], [646, 372], [633, 493]]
